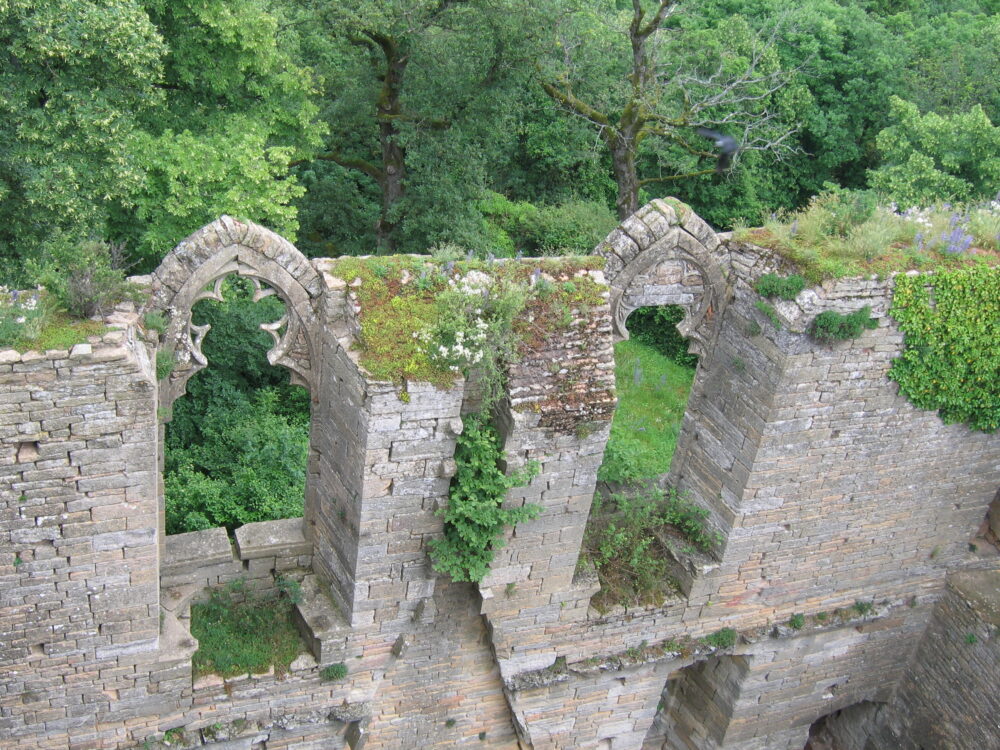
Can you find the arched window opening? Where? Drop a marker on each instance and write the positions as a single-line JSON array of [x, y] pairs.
[[653, 376], [640, 531], [236, 447]]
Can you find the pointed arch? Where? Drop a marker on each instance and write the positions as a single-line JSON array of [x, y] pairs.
[[665, 254], [195, 269]]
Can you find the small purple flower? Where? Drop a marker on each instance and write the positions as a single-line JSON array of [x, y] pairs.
[[918, 241]]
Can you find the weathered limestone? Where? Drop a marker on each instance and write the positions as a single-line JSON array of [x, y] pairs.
[[837, 501]]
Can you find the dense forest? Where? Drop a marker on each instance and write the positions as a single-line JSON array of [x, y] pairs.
[[496, 127]]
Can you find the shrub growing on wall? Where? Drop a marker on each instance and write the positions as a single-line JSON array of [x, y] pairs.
[[474, 519], [952, 358]]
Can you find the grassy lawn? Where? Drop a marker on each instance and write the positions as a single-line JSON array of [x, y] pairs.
[[652, 396]]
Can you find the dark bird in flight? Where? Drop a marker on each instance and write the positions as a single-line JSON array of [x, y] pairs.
[[726, 144]]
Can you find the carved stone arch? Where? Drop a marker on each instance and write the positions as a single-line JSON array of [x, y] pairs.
[[660, 234], [195, 270]]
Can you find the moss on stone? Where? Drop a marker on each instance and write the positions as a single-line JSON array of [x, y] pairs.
[[396, 297]]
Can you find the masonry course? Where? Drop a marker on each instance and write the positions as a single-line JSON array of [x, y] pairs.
[[828, 488]]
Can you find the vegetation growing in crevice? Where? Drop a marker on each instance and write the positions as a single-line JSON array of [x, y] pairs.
[[241, 632], [830, 326], [474, 517], [629, 538], [785, 287], [951, 361]]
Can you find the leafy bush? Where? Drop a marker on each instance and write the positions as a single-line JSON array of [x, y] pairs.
[[657, 327], [797, 621], [85, 280], [474, 519], [830, 326], [930, 157], [951, 361], [236, 637], [236, 445], [249, 465], [570, 228], [573, 227], [772, 285]]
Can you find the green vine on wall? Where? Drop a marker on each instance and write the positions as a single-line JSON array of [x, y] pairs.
[[474, 517], [951, 361]]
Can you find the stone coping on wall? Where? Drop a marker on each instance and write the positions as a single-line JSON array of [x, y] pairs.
[[282, 538], [184, 553]]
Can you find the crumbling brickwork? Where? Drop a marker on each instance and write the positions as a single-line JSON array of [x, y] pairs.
[[836, 499]]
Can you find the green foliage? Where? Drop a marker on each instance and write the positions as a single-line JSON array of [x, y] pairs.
[[236, 637], [725, 638], [769, 312], [931, 157], [238, 173], [652, 397], [85, 280], [154, 320], [248, 465], [164, 363], [333, 672], [76, 75], [797, 621], [237, 443], [772, 285], [863, 607], [830, 326], [625, 541], [971, 639], [951, 361], [657, 327], [22, 316], [622, 543], [474, 517], [844, 233]]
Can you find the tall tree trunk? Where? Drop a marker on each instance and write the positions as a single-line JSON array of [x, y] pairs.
[[392, 178], [623, 164]]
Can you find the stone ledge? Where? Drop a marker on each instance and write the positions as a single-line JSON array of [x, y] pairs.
[[283, 538], [185, 553]]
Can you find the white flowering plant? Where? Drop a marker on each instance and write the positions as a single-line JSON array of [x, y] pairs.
[[22, 315], [474, 326]]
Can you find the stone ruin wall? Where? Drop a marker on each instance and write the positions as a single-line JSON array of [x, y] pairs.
[[829, 488]]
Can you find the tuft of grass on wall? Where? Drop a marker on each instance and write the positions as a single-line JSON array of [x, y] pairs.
[[239, 637]]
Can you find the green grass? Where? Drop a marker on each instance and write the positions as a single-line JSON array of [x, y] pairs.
[[652, 396], [235, 638], [848, 233]]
